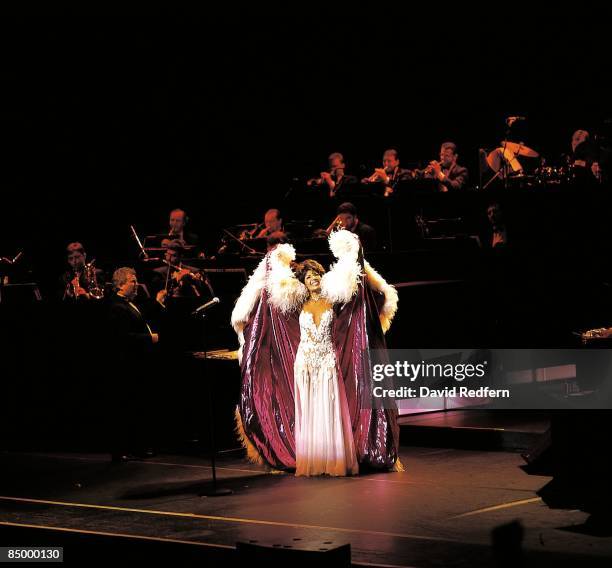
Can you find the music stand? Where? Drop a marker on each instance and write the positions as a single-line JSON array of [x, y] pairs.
[[214, 490]]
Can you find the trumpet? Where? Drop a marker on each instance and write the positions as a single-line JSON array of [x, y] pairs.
[[426, 171], [335, 224], [375, 177], [335, 173]]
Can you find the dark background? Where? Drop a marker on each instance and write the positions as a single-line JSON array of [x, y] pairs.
[[114, 117]]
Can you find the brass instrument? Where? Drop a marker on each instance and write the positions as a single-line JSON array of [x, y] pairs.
[[93, 287], [373, 178], [426, 171], [335, 224], [74, 286]]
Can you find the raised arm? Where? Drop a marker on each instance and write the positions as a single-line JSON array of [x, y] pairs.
[[341, 283], [285, 291]]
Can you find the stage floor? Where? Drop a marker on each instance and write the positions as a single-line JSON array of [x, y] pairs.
[[439, 512]]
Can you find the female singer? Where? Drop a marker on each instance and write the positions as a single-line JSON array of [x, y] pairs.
[[305, 363]]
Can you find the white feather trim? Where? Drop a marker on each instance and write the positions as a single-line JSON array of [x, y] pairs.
[[283, 254], [285, 291], [344, 244], [340, 284], [378, 283], [248, 298]]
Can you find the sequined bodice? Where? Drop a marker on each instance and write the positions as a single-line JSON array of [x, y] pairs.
[[316, 348]]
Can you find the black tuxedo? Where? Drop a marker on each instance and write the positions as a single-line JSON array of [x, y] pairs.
[[131, 373], [344, 185], [455, 178], [128, 330]]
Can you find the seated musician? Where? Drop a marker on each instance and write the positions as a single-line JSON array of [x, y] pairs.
[[273, 222], [450, 175], [178, 223], [335, 180], [584, 157], [391, 175], [347, 218], [175, 279], [499, 233], [78, 283]]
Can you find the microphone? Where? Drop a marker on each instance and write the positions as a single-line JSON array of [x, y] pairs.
[[206, 306]]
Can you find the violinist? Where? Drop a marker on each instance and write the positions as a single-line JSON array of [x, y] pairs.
[[273, 222], [175, 279]]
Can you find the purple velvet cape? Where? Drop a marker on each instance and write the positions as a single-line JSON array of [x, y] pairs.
[[267, 405]]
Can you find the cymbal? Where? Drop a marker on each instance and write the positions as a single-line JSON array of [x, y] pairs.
[[518, 149], [496, 158]]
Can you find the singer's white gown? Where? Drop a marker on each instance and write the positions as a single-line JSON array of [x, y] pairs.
[[323, 435]]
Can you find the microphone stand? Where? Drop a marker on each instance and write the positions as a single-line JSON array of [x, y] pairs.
[[214, 491]]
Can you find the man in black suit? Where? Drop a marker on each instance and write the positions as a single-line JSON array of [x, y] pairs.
[[178, 230], [391, 175], [347, 216], [131, 342], [450, 175], [335, 181]]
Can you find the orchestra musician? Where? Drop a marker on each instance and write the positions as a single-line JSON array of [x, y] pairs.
[[450, 175], [176, 279], [178, 223], [391, 175], [584, 159], [130, 349], [499, 232], [335, 180], [273, 222], [348, 219], [82, 281]]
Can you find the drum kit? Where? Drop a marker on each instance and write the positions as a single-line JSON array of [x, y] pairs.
[[504, 162]]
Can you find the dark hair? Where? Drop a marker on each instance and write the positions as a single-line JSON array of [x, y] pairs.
[[391, 151], [450, 145], [347, 208], [302, 269]]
